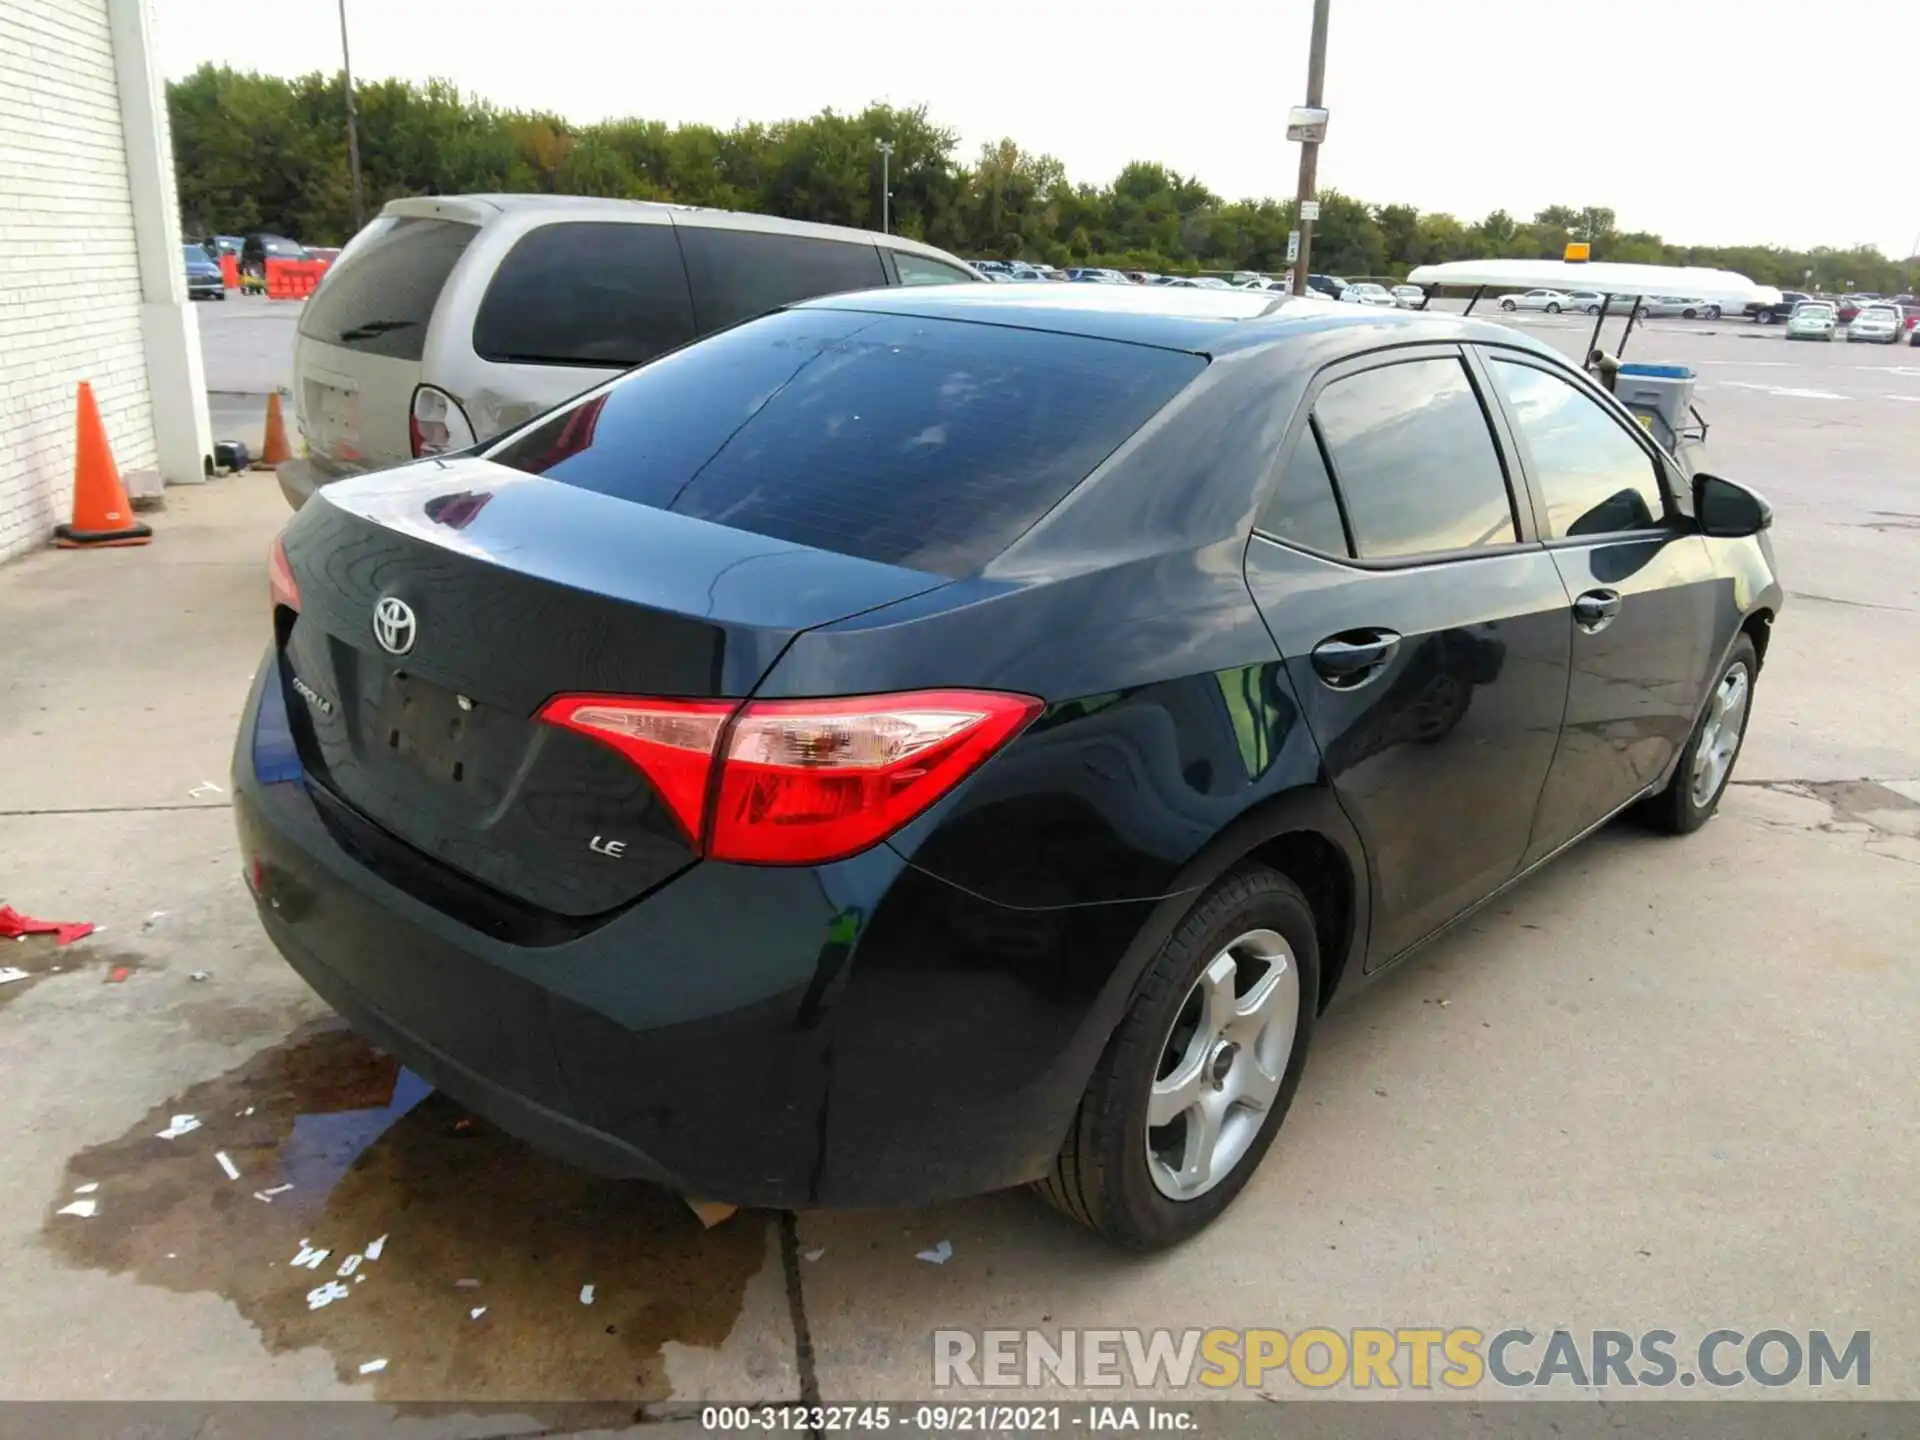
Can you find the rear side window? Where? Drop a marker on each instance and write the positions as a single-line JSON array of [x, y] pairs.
[[925, 270], [1415, 461], [1591, 473], [1302, 508], [597, 293], [738, 274], [379, 300], [923, 443]]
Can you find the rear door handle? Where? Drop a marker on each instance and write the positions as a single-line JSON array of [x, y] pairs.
[[1353, 657], [1596, 609]]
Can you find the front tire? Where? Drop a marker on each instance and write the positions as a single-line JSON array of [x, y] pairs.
[[1706, 765], [1508, 306], [1199, 1073], [1593, 309]]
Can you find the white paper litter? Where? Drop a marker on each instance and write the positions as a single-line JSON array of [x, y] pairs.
[[476, 1312], [468, 1284], [204, 789], [309, 1257], [226, 1164], [586, 1294], [151, 920], [373, 1367], [813, 1254], [361, 1278], [374, 1247], [348, 1266], [271, 1191], [11, 973], [83, 1208], [198, 975], [938, 1255], [86, 1189], [326, 1294], [180, 1125], [247, 1111]]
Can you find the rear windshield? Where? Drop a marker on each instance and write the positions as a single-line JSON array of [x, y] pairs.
[[380, 298], [930, 444]]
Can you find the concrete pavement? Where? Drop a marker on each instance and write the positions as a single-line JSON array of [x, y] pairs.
[[1665, 1084]]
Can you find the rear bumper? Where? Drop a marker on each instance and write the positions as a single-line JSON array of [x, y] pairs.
[[853, 1034]]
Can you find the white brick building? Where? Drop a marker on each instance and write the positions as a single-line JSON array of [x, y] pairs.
[[92, 284]]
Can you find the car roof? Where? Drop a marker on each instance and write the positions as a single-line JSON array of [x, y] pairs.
[[1173, 317], [478, 209]]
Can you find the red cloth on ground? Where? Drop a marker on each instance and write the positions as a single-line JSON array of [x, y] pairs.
[[13, 924]]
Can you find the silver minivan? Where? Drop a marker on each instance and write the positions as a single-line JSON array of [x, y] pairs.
[[450, 319]]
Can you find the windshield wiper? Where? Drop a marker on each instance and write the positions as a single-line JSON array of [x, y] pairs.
[[373, 328]]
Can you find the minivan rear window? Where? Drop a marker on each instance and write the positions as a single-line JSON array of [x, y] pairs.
[[931, 444], [602, 293], [379, 298]]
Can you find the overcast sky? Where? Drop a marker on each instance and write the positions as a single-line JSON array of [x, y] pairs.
[[1707, 121]]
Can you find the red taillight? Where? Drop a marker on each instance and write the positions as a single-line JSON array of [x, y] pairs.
[[280, 581], [436, 424], [801, 781], [671, 741]]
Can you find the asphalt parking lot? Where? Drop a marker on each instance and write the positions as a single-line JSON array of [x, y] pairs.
[[1664, 1084]]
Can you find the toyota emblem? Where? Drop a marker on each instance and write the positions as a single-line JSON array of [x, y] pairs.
[[393, 625]]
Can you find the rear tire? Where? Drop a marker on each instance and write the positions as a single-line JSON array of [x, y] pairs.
[[1552, 309], [1706, 765], [1115, 1174]]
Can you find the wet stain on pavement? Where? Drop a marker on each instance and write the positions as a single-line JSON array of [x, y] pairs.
[[426, 1215], [44, 960]]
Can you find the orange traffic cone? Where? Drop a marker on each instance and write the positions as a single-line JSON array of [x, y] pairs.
[[101, 513], [229, 272], [274, 448]]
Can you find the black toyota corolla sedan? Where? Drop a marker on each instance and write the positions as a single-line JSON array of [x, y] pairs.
[[920, 742]]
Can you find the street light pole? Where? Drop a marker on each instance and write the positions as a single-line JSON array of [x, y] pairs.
[[885, 147], [353, 127], [1310, 149]]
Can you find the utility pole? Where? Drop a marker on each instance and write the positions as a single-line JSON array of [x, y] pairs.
[[1310, 149], [353, 127], [885, 147]]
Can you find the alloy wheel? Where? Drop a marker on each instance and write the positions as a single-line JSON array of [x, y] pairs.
[[1720, 736], [1221, 1064]]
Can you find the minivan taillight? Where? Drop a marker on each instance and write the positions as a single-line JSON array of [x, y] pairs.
[[801, 782], [280, 582], [436, 424]]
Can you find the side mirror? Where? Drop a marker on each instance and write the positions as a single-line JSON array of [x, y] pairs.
[[1727, 510]]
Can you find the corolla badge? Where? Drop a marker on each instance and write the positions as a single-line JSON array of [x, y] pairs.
[[393, 625]]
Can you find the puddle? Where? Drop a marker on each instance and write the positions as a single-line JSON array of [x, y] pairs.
[[42, 959], [370, 1151]]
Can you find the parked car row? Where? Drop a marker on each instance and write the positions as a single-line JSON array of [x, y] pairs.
[[1591, 302], [1882, 323]]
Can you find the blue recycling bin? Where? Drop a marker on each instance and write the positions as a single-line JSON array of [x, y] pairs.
[[1661, 396]]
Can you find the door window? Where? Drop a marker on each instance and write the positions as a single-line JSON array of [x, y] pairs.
[[737, 274], [1414, 459], [1592, 476], [599, 293]]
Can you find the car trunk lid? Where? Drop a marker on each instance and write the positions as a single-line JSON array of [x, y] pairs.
[[516, 589]]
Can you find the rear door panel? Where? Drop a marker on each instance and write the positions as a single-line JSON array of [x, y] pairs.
[[1438, 753], [1440, 759]]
